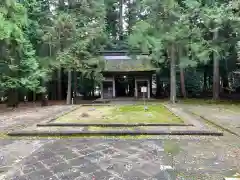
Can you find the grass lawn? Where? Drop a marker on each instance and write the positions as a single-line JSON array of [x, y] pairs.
[[120, 114]]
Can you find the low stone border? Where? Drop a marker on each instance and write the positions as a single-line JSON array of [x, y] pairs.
[[169, 108], [92, 105], [112, 133], [51, 119], [110, 125], [215, 124], [101, 101]]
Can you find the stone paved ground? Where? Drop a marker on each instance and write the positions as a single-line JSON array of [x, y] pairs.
[[14, 150], [196, 158], [26, 117], [224, 117]]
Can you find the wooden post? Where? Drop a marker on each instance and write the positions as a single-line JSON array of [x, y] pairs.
[[114, 89], [136, 89], [148, 89], [102, 90]]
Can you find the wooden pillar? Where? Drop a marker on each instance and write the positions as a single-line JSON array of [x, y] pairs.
[[136, 89], [151, 86], [102, 90], [148, 89], [114, 87]]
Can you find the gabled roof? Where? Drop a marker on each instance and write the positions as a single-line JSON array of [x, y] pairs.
[[126, 63]]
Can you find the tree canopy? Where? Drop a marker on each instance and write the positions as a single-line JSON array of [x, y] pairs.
[[44, 42]]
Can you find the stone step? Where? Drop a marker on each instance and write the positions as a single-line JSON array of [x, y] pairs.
[[110, 124], [111, 133]]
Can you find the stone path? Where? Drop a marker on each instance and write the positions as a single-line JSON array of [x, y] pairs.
[[127, 160], [202, 158], [219, 115], [13, 150], [24, 118]]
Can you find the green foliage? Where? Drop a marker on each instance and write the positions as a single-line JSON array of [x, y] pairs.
[[39, 36], [82, 30], [193, 82], [19, 67]]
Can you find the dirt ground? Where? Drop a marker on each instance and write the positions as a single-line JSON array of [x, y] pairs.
[[119, 114], [86, 114]]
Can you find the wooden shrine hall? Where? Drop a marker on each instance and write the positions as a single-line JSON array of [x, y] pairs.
[[127, 76]]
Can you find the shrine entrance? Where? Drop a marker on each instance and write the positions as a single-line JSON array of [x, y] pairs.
[[124, 86]]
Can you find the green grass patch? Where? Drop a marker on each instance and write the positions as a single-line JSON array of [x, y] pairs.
[[121, 114]]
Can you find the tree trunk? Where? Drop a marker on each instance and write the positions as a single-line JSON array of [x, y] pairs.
[[75, 86], [12, 98], [69, 90], [216, 80], [182, 77], [121, 20], [205, 80], [44, 101], [59, 87], [34, 96], [172, 75], [182, 81]]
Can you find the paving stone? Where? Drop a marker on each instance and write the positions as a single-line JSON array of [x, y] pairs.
[[37, 175], [52, 161], [4, 142], [111, 151], [87, 151], [151, 168], [121, 155], [59, 168], [134, 175], [162, 175], [119, 167], [21, 118], [100, 174], [106, 165], [202, 153], [78, 162], [69, 175], [84, 177], [33, 167], [68, 154], [51, 178], [44, 155], [99, 147], [88, 168], [20, 178], [94, 157], [148, 156]]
